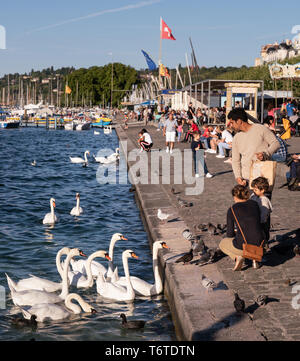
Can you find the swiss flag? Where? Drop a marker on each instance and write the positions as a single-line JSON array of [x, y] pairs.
[[165, 31]]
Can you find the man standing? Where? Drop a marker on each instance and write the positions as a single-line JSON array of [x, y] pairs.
[[170, 132], [252, 142]]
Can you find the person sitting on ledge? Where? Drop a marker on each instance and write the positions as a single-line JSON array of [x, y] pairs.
[[248, 215]]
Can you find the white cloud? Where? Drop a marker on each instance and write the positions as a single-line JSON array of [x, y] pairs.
[[99, 13]]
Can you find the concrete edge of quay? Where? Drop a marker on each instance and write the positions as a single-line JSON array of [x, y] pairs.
[[197, 315]]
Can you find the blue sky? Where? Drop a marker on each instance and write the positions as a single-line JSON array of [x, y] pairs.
[[82, 34]]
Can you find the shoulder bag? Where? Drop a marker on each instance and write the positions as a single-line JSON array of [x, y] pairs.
[[250, 251]]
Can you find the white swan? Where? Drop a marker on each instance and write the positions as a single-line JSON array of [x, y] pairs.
[[50, 218], [42, 284], [113, 291], [80, 160], [32, 297], [54, 312], [78, 279], [110, 159], [140, 286], [76, 211], [96, 267]]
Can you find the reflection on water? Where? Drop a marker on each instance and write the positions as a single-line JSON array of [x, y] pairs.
[[29, 247]]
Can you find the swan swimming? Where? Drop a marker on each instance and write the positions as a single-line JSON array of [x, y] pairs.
[[81, 281], [110, 159], [32, 297], [54, 312], [96, 267], [50, 218], [140, 286], [79, 160], [77, 210], [113, 291], [42, 284]]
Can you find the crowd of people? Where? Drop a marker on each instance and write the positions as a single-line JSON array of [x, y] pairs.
[[248, 220]]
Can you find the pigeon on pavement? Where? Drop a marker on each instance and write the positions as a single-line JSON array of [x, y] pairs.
[[162, 216], [186, 258], [262, 300], [239, 304], [208, 283], [187, 235]]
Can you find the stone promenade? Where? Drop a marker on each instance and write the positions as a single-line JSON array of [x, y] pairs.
[[201, 315]]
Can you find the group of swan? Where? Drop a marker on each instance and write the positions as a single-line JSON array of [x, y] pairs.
[[110, 159], [105, 160], [39, 293], [51, 218]]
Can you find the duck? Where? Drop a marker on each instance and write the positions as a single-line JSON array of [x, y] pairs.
[[141, 287], [96, 133], [79, 160], [42, 284], [134, 324], [50, 218], [21, 322], [54, 312], [96, 267], [79, 280], [32, 297], [33, 163], [110, 159], [113, 291], [77, 210]]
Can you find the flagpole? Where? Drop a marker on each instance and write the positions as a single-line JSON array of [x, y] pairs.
[[159, 61]]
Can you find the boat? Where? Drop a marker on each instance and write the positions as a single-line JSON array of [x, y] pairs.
[[9, 123], [83, 126], [101, 122]]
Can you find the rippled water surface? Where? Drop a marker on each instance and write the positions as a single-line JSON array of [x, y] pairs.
[[29, 247]]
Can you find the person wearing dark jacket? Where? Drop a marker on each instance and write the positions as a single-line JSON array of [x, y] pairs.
[[248, 215]]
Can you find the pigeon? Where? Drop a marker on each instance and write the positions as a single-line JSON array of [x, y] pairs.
[[239, 304], [162, 216], [202, 227], [173, 190], [262, 300], [207, 283], [131, 324], [204, 259], [212, 229], [33, 163], [222, 227], [198, 246], [187, 235], [184, 203], [186, 258], [297, 250]]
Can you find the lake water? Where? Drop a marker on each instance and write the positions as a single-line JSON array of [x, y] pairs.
[[29, 247]]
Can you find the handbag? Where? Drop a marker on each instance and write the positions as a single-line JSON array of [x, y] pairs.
[[265, 169], [250, 251]]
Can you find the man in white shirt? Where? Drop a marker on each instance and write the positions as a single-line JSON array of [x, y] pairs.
[[226, 143], [169, 132]]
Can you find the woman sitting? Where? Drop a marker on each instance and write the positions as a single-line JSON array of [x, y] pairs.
[[248, 215]]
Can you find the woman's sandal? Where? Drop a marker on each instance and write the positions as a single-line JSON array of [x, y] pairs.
[[239, 262]]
